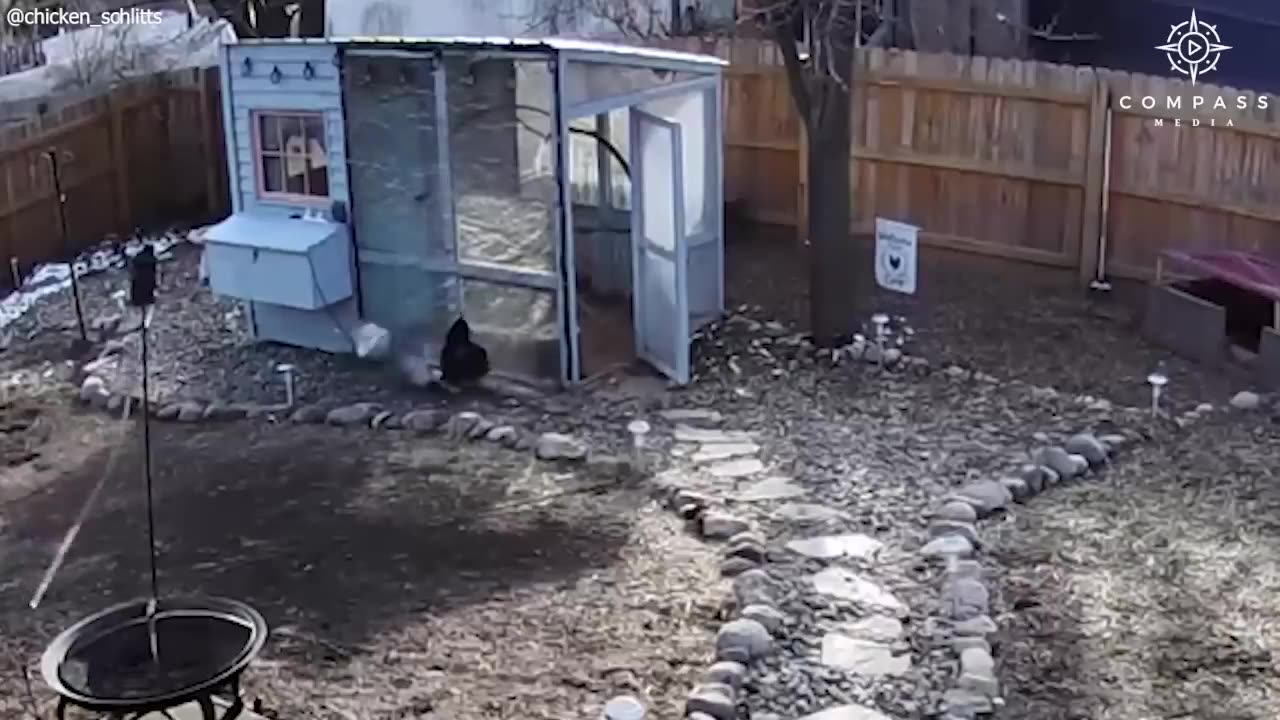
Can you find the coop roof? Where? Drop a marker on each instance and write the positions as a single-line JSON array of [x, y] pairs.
[[617, 51]]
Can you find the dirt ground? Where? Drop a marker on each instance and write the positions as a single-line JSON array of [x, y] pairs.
[[402, 577], [1154, 593]]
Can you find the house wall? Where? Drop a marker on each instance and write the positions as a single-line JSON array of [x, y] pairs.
[[417, 18]]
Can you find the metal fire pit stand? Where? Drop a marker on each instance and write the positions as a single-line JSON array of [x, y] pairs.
[[203, 698]]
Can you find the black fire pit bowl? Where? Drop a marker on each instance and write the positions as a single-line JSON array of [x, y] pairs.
[[104, 662]]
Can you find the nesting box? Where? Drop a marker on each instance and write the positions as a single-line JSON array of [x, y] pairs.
[[298, 263]]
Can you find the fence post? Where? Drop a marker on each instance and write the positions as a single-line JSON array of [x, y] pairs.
[[802, 187], [119, 154], [1091, 229]]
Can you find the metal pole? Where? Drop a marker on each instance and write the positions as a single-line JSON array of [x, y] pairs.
[[146, 470], [62, 226]]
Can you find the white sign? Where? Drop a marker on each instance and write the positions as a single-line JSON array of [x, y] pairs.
[[1193, 48], [896, 255]]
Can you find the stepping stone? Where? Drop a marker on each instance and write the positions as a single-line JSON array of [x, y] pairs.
[[947, 546], [865, 657], [875, 628], [803, 513], [828, 547], [692, 416], [846, 585], [986, 497], [1089, 447], [724, 451], [774, 488], [687, 434], [847, 712], [736, 468]]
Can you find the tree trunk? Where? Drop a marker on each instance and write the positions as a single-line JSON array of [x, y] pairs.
[[833, 269]]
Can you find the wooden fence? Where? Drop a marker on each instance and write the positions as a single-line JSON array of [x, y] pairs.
[[144, 155], [1010, 158]]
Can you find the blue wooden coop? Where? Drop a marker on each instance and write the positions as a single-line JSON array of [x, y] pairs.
[[565, 197]]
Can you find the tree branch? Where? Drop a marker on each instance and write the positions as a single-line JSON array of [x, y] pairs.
[[784, 36]]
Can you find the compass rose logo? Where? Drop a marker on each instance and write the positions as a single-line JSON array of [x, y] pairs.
[[1193, 47]]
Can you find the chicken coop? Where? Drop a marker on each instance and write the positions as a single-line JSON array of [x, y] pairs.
[[565, 197]]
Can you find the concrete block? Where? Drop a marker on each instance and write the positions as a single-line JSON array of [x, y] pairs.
[[1269, 359]]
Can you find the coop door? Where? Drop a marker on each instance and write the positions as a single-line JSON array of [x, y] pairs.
[[661, 254]]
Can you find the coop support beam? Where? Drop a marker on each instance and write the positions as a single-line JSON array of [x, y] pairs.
[[640, 97]]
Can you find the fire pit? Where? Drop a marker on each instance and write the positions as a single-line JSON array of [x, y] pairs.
[[106, 662]]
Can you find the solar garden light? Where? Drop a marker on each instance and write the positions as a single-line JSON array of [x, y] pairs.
[[638, 429], [880, 320], [286, 370], [1157, 380], [17, 274]]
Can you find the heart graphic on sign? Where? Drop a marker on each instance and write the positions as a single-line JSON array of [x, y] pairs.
[[895, 262]]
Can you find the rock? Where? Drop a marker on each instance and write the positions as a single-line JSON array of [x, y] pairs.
[[947, 546], [460, 425], [741, 467], [746, 537], [892, 357], [771, 618], [610, 466], [956, 372], [684, 496], [864, 657], [221, 412], [986, 497], [742, 641], [1035, 478], [978, 672], [873, 355], [1057, 460], [774, 488], [554, 446], [692, 417], [847, 712], [726, 672], [828, 547], [352, 415], [966, 598], [719, 525], [689, 511], [942, 528], [168, 412], [1246, 401], [715, 700], [876, 628], [749, 550], [423, 421], [717, 452], [1017, 487], [480, 429], [962, 703], [189, 412], [1114, 442], [960, 643], [93, 391], [1089, 447], [1081, 464], [846, 585], [980, 625], [805, 513], [734, 566], [701, 436], [957, 511], [958, 567], [308, 415], [624, 707], [755, 587], [379, 421]]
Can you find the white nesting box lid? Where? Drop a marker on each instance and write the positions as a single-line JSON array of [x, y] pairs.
[[292, 262], [265, 232]]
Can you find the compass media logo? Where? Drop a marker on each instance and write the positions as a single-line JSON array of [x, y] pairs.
[[1193, 47]]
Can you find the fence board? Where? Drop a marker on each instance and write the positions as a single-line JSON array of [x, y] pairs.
[[146, 154]]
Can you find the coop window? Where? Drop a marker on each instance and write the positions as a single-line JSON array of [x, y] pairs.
[[291, 155]]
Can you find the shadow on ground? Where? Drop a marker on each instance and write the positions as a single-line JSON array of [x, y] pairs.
[[1009, 318], [343, 534]]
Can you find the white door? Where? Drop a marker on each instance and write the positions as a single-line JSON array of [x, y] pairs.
[[660, 252]]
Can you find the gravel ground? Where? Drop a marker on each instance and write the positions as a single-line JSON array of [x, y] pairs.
[[1152, 594], [1093, 617], [401, 576]]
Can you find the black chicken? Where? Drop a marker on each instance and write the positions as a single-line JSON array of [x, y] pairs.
[[462, 360]]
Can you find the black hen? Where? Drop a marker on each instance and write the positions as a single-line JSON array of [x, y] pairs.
[[461, 359]]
